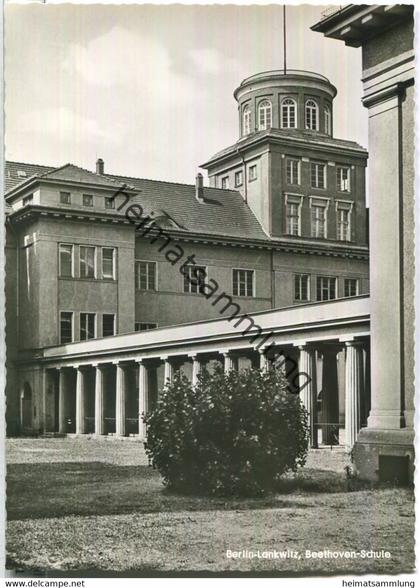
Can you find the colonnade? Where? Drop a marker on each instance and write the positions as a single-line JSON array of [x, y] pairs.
[[112, 397]]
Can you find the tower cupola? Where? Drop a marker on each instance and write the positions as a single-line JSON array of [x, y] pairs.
[[293, 101]]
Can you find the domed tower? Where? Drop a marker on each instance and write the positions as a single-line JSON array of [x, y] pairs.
[[299, 180], [297, 100]]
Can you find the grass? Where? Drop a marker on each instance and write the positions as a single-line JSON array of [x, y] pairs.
[[96, 505]]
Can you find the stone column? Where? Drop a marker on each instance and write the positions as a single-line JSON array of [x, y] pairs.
[[143, 397], [354, 388], [308, 390], [228, 362], [264, 361], [62, 425], [196, 369], [120, 401], [80, 401], [169, 371], [329, 406], [99, 400]]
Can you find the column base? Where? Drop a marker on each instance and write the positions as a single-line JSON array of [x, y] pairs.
[[385, 455], [385, 419]]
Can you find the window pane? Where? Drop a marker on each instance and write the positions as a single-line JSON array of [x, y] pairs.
[[66, 327], [110, 202], [65, 198], [194, 279], [108, 263], [66, 260], [87, 262], [350, 287], [87, 200], [243, 282], [108, 325], [146, 275], [87, 326]]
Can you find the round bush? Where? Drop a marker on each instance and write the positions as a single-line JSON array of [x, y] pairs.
[[233, 434]]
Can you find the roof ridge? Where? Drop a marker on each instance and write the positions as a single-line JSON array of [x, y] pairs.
[[170, 182], [26, 163], [93, 173]]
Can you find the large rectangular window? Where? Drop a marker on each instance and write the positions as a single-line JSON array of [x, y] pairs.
[[27, 200], [243, 282], [302, 287], [252, 174], [343, 225], [343, 179], [87, 325], [108, 325], [110, 202], [144, 326], [194, 279], [87, 200], [87, 263], [351, 287], [66, 327], [108, 263], [146, 275], [225, 183], [319, 218], [343, 215], [66, 260], [293, 208], [326, 288], [238, 178], [318, 175], [65, 198], [293, 171]]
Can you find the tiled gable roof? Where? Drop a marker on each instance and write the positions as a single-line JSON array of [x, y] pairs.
[[224, 212], [16, 173]]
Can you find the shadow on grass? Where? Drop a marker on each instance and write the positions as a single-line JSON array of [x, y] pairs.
[[47, 490]]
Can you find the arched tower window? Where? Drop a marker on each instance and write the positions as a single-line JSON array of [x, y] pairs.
[[327, 120], [264, 115], [311, 115], [246, 120], [288, 114]]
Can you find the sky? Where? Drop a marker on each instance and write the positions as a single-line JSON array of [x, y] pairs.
[[149, 88]]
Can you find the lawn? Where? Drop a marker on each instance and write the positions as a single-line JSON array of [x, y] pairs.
[[94, 506]]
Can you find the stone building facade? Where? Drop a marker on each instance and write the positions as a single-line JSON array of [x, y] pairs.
[[283, 223]]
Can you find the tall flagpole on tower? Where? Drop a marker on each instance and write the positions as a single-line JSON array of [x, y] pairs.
[[284, 38]]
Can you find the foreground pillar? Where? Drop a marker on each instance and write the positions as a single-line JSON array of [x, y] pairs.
[[99, 400], [80, 401], [143, 398], [120, 401], [354, 388], [308, 392]]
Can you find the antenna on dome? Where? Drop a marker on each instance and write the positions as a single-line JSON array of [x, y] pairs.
[[284, 38]]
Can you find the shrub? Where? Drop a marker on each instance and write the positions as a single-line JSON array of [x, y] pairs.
[[233, 434]]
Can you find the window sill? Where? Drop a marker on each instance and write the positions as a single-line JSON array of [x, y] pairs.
[[78, 279]]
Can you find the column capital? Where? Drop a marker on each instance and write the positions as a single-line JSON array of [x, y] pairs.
[[354, 343]]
